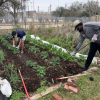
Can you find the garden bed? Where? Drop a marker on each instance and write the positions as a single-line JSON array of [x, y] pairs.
[[33, 77]]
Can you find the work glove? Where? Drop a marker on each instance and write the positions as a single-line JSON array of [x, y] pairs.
[[74, 53], [94, 38], [13, 45], [18, 46]]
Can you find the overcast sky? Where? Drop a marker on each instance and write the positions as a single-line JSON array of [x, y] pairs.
[[44, 4]]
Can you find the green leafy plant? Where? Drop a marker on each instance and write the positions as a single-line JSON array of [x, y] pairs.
[[30, 63], [2, 56], [17, 95], [43, 83], [55, 61], [54, 50], [41, 89], [44, 54], [8, 45], [41, 70], [11, 72], [34, 49], [8, 35], [28, 37]]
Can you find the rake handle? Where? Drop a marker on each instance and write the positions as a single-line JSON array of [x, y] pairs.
[[81, 49], [84, 46], [24, 85]]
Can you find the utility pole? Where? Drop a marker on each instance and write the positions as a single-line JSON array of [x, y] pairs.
[[25, 14], [22, 9], [97, 7], [28, 10], [65, 6], [58, 3], [50, 8], [38, 9], [33, 5]]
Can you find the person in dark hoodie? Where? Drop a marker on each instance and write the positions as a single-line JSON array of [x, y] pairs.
[[91, 31], [21, 36]]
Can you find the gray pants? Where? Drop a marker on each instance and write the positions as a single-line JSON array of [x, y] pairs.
[[3, 97]]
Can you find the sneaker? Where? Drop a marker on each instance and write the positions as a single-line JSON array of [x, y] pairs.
[[83, 69], [22, 52]]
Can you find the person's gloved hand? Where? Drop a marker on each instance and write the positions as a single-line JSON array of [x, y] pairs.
[[74, 53], [94, 40], [13, 45], [18, 46]]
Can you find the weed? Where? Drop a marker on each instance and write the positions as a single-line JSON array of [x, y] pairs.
[[41, 89], [16, 95], [11, 72], [43, 83]]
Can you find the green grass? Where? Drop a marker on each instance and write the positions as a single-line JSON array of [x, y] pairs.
[[89, 90], [16, 95]]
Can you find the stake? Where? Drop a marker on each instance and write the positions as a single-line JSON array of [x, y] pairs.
[[24, 85]]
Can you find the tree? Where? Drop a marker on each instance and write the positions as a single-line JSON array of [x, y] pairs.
[[92, 7], [76, 6], [59, 12], [13, 7], [2, 2]]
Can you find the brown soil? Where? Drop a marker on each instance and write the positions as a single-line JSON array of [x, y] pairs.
[[31, 79]]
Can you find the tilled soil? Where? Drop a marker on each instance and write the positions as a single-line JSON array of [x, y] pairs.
[[31, 79]]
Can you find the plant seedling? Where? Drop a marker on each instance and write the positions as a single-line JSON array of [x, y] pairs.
[[44, 54], [55, 61]]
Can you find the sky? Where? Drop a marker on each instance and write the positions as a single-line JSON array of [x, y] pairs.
[[44, 5]]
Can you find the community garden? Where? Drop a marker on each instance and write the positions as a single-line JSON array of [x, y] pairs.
[[40, 64]]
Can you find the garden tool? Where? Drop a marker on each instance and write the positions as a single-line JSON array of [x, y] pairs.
[[62, 78], [79, 50], [70, 77], [24, 85]]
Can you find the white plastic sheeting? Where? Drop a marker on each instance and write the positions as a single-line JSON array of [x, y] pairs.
[[94, 61], [5, 87]]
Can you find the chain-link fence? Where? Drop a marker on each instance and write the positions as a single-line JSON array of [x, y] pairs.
[[43, 19]]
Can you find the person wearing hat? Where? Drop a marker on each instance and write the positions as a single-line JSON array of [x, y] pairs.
[[21, 36], [91, 31]]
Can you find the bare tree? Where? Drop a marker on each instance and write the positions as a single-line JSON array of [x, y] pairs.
[[13, 7], [91, 7], [76, 6]]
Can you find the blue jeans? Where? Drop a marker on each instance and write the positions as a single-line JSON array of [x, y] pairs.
[[93, 48]]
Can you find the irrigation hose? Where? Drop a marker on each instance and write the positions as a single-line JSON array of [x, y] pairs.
[[24, 85]]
